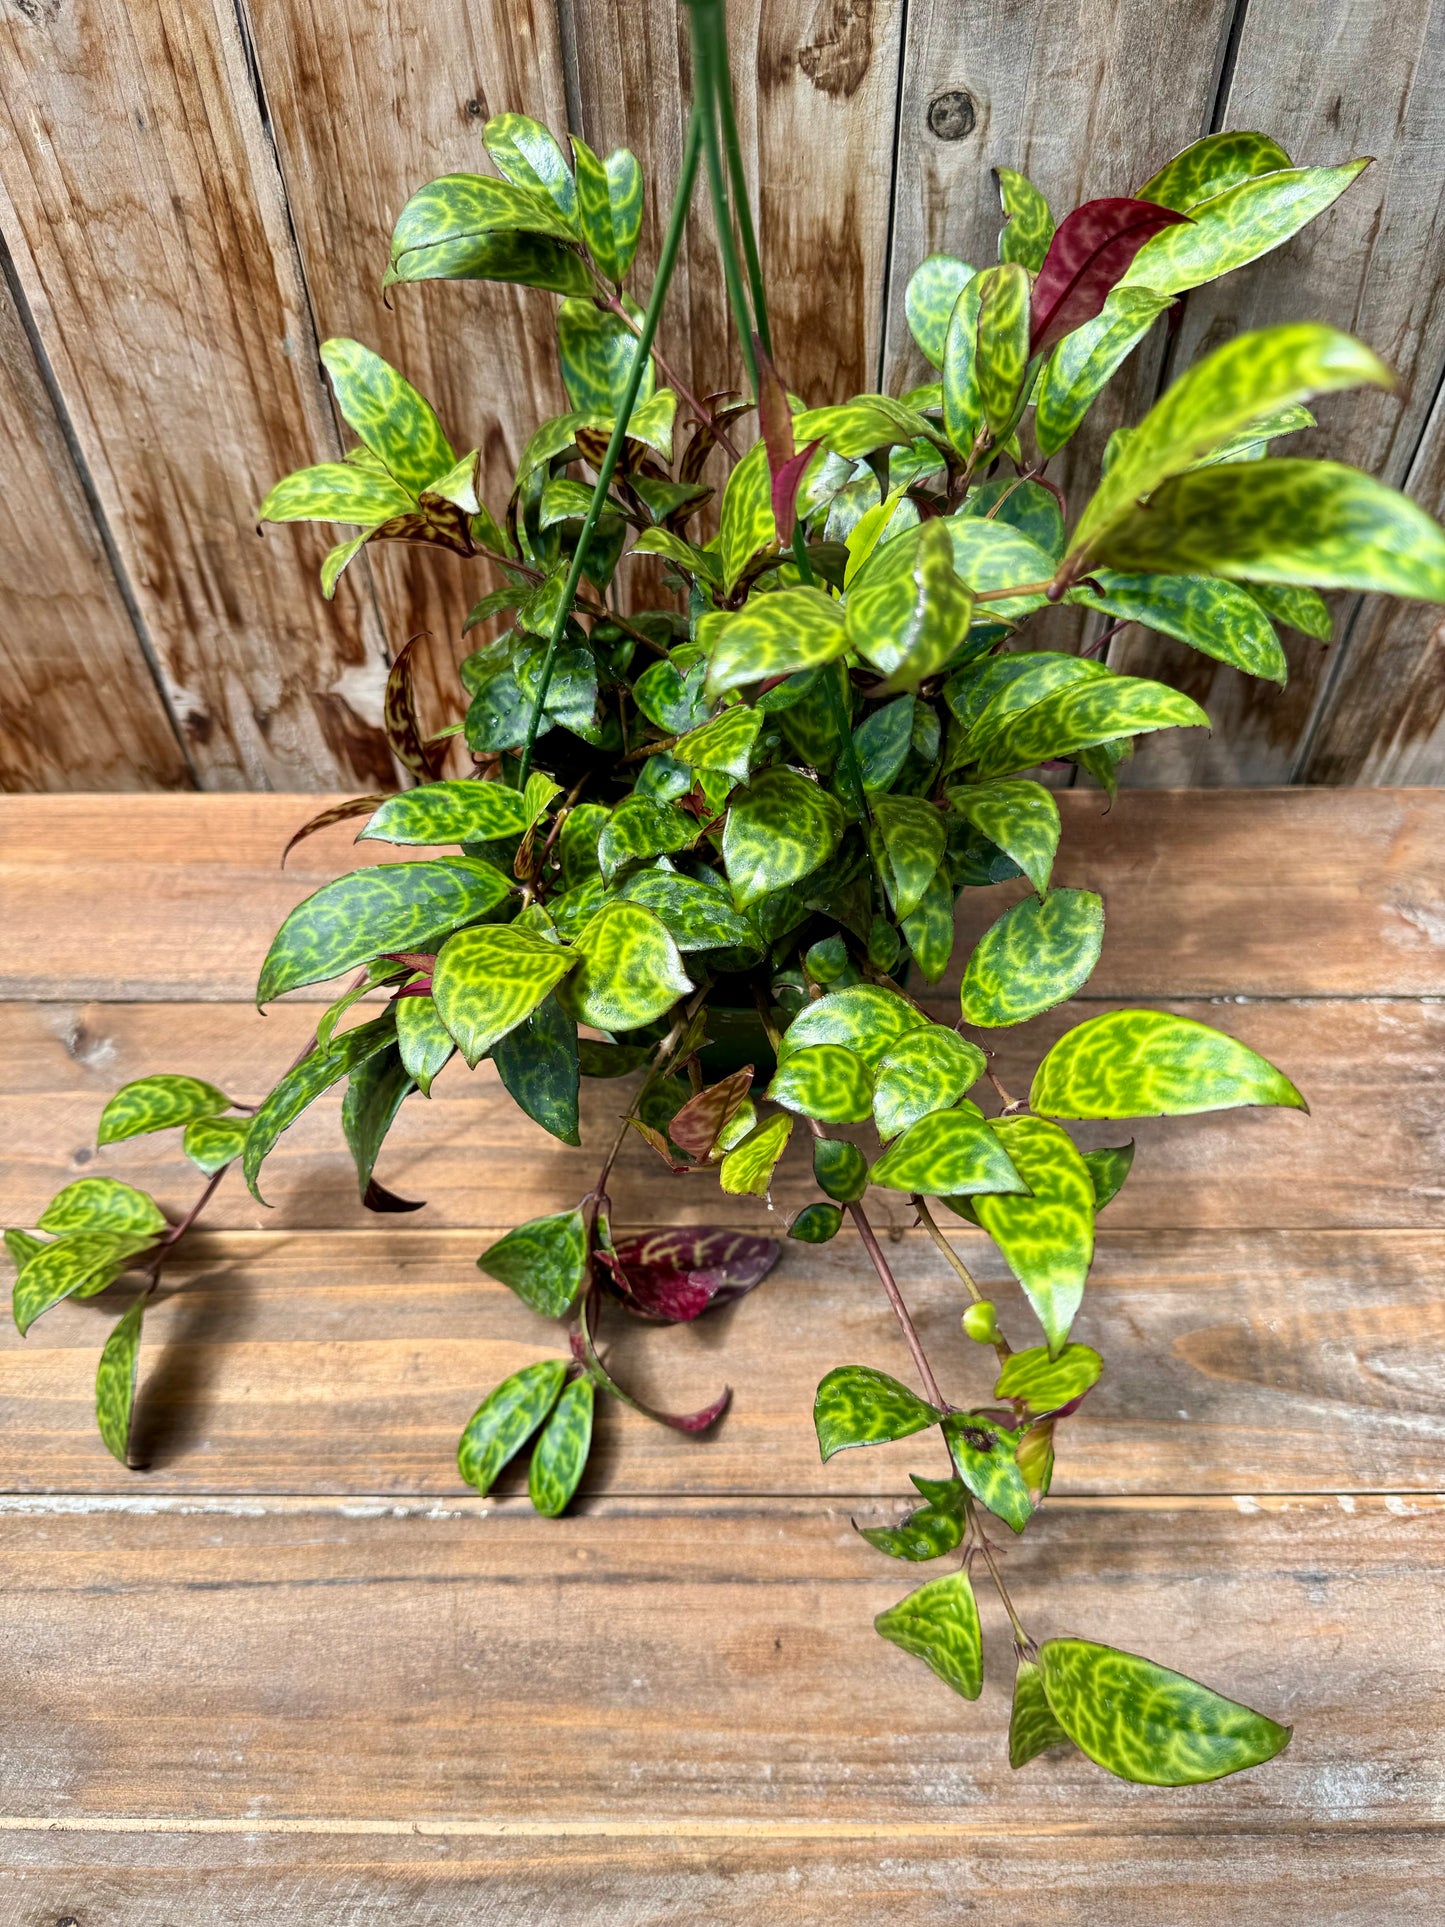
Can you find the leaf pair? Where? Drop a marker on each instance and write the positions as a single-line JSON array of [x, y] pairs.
[[512, 1414]]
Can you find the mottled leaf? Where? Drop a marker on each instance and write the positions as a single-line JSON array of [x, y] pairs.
[[671, 695], [816, 1224], [1209, 166], [490, 978], [1215, 617], [699, 916], [1295, 608], [1087, 359], [1003, 343], [1108, 1168], [115, 1382], [840, 1168], [465, 812], [403, 730], [923, 1071], [933, 288], [102, 1204], [1047, 1239], [525, 152], [597, 350], [539, 1065], [865, 1017], [856, 1405], [506, 1419], [640, 828], [725, 744], [775, 635], [907, 843], [779, 829], [335, 492], [927, 1533], [1147, 1724], [304, 1083], [1032, 1728], [746, 525], [158, 1103], [947, 1152], [1149, 1063], [939, 1625], [559, 1457], [992, 555], [609, 202], [1094, 710], [697, 1127], [1037, 955], [984, 1453], [392, 419], [629, 970], [1045, 1383], [1021, 817], [907, 610], [81, 1264], [928, 929], [747, 1170], [211, 1143], [447, 228], [962, 396], [1028, 224], [825, 1081], [544, 1261], [425, 1043]]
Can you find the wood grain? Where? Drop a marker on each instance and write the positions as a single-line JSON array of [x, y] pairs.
[[269, 1873], [1370, 85], [1292, 893], [348, 1363], [140, 200], [668, 1662], [79, 696]]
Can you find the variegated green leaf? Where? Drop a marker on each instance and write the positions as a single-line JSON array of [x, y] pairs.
[[1037, 955], [211, 1143], [1044, 1383], [867, 1018], [928, 930], [638, 828], [1209, 166], [304, 1083], [1288, 522], [506, 1419], [825, 1081], [702, 563], [928, 302], [336, 492], [1082, 714], [1251, 443], [725, 744], [1020, 817], [1032, 1728], [779, 829], [939, 1625], [1237, 226], [1149, 1063], [945, 1153], [746, 526], [609, 202], [1003, 343], [747, 1170], [928, 1532], [445, 226], [392, 419], [856, 1405], [908, 841], [1215, 617], [1256, 372], [1108, 1167], [629, 970], [1147, 1724], [775, 635], [924, 1070], [544, 1261], [840, 1168], [1047, 1239], [1086, 360], [115, 1382], [992, 555], [962, 396], [525, 152], [336, 560], [465, 812], [81, 1264], [699, 915], [539, 1064], [816, 1224], [394, 906], [984, 1453], [1295, 608], [597, 350], [559, 1457], [158, 1103], [490, 978], [424, 1041], [1028, 224], [907, 609], [529, 260], [858, 427], [22, 1246], [1020, 504], [882, 741], [671, 695], [102, 1204]]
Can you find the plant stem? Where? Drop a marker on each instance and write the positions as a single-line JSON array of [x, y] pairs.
[[666, 263], [716, 24], [900, 1310], [926, 1219], [705, 106], [977, 1537]]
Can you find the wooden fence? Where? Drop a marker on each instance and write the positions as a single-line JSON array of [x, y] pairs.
[[194, 192]]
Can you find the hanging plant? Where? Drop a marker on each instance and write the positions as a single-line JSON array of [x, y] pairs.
[[720, 842]]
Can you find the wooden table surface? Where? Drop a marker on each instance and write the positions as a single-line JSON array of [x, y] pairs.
[[292, 1673]]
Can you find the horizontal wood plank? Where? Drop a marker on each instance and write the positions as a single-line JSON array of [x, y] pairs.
[[1369, 1155], [685, 1661], [1208, 893], [259, 1872], [349, 1363]]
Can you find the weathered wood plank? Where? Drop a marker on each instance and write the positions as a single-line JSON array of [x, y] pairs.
[[1369, 1155], [80, 702], [1293, 893], [1371, 85], [367, 104], [261, 1872], [1299, 1361], [676, 1662], [141, 202]]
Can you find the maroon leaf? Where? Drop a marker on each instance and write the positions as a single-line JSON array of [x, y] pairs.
[[338, 813], [378, 1198], [679, 1421], [1089, 254], [418, 987], [705, 436], [786, 482], [702, 1120], [413, 959], [786, 462], [403, 731], [672, 1277]]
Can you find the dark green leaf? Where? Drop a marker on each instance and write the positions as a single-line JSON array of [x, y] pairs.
[[506, 1419], [157, 1104], [539, 1064], [610, 1060], [1037, 955], [1109, 1168], [1047, 1239], [375, 1092], [394, 906], [102, 1204], [1149, 1063], [115, 1382], [840, 1168], [559, 1457], [544, 1261], [856, 1405], [939, 1625], [815, 1224], [944, 1153], [1147, 1724]]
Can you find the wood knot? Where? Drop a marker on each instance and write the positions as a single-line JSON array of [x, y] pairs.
[[952, 115]]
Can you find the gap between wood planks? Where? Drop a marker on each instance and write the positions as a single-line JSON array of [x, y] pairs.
[[1401, 1505]]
